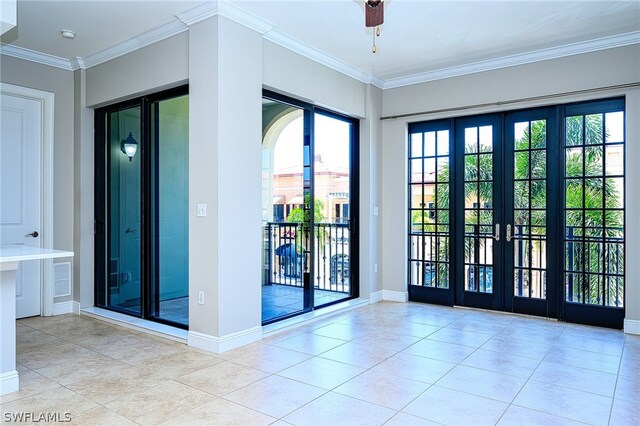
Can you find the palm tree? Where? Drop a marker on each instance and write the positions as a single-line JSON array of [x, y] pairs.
[[592, 216]]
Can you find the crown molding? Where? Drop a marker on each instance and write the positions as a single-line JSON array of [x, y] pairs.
[[33, 56], [242, 17], [77, 63], [153, 36], [199, 13], [519, 59], [294, 45]]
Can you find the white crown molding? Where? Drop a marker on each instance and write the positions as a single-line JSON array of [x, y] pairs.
[[77, 63], [33, 56], [199, 13], [242, 17], [153, 36], [294, 45], [519, 59]]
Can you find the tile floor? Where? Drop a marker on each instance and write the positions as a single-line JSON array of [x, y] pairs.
[[387, 363]]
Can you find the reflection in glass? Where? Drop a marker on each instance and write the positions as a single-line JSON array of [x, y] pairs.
[[170, 217], [124, 246]]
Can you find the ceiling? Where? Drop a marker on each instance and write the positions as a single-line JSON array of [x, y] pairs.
[[418, 36]]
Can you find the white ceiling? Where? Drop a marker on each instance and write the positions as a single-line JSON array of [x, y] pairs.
[[418, 36]]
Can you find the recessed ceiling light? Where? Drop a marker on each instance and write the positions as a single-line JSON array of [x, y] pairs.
[[68, 34]]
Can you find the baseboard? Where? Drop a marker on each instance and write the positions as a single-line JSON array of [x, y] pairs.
[[9, 382], [70, 307], [376, 296], [632, 326], [395, 296], [225, 343]]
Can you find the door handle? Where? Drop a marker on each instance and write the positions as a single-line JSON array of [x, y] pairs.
[[508, 237], [33, 234], [496, 236]]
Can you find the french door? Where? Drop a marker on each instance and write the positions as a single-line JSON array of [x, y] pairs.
[[519, 212]]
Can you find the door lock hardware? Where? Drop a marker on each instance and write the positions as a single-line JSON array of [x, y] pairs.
[[508, 237], [496, 236], [33, 234]]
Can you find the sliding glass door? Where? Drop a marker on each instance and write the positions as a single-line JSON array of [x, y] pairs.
[[308, 208], [142, 207]]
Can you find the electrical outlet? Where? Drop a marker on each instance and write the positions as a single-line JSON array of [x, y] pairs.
[[376, 211], [375, 268], [201, 210], [201, 298]]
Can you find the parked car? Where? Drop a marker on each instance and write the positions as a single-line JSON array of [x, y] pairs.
[[340, 267]]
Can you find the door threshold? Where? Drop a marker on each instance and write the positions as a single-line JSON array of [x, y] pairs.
[[137, 324], [514, 314], [309, 317]]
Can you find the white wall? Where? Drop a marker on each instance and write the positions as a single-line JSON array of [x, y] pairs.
[[581, 72]]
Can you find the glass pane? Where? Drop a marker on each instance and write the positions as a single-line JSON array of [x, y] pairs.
[[573, 193], [593, 129], [521, 194], [170, 167], [486, 138], [573, 162], [416, 171], [486, 167], [614, 127], [285, 199], [538, 194], [430, 144], [442, 195], [521, 136], [416, 193], [614, 193], [443, 169], [471, 140], [593, 193], [574, 130], [470, 167], [471, 194], [539, 134], [124, 210], [443, 142], [539, 164], [614, 160], [331, 280], [416, 145], [486, 195], [521, 165]]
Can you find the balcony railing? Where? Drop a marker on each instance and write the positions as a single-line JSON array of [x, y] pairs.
[[286, 255]]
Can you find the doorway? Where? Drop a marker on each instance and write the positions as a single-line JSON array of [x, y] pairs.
[[26, 208], [142, 221], [521, 212], [309, 207]]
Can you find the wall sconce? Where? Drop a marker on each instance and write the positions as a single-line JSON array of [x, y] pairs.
[[129, 146]]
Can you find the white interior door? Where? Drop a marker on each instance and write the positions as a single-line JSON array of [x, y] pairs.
[[20, 192]]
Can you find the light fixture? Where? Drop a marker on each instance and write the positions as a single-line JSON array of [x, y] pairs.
[[68, 34], [129, 146], [374, 17]]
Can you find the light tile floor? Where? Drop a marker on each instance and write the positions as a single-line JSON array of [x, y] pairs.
[[388, 363]]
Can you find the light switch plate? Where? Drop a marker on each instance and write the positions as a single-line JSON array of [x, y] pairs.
[[201, 210]]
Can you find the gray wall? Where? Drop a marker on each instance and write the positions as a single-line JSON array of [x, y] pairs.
[[59, 82], [581, 72]]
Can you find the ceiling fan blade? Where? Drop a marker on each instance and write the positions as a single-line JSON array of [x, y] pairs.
[[373, 13]]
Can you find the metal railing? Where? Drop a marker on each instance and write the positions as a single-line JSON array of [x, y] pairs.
[[286, 255]]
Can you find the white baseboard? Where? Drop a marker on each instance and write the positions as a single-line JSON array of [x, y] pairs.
[[632, 326], [225, 343], [70, 307], [395, 296], [376, 296], [9, 382]]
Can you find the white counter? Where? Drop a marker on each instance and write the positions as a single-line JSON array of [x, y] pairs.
[[10, 258]]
